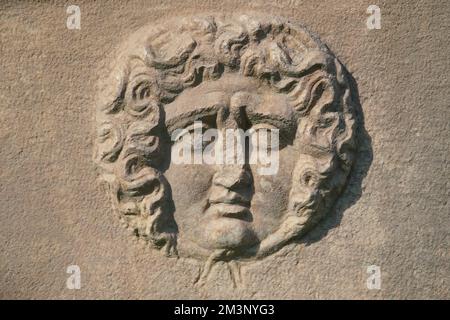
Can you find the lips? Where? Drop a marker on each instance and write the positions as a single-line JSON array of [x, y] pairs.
[[227, 203], [230, 210]]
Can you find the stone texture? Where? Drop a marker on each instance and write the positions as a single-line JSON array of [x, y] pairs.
[[394, 212]]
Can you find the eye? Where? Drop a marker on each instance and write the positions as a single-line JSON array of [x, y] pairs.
[[192, 137], [264, 137]]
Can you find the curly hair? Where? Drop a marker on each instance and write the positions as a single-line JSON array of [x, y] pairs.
[[159, 61]]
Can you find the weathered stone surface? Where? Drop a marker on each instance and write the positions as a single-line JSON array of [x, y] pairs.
[[363, 174]]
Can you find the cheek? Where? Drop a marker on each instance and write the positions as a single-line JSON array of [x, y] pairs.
[[189, 183], [271, 196]]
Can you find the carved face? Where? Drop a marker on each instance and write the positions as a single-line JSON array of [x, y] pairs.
[[232, 72], [231, 206]]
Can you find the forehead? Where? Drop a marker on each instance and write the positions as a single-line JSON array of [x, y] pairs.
[[230, 91]]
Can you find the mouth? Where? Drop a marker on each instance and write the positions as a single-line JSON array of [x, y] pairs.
[[230, 210]]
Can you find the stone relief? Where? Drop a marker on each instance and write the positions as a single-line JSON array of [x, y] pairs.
[[233, 71]]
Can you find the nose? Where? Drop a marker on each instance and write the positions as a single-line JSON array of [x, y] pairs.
[[232, 184], [233, 176]]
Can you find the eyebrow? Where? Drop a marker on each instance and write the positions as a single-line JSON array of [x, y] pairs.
[[269, 118], [210, 103], [286, 126], [209, 107], [188, 118]]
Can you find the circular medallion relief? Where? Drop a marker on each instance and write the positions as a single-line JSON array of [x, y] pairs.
[[223, 74]]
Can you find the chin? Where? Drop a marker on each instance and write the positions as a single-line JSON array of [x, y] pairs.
[[227, 233]]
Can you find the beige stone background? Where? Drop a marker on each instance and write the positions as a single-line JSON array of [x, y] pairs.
[[395, 213]]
